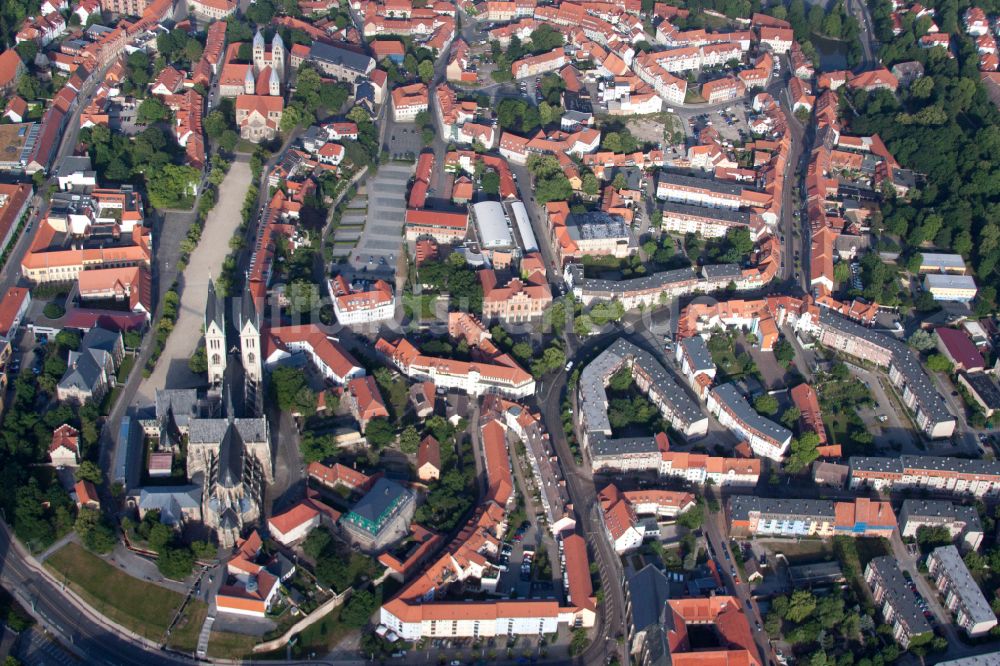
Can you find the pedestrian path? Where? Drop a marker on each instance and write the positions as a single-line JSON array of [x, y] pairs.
[[206, 631], [222, 225]]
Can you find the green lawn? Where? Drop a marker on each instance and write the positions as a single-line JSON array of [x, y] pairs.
[[125, 368], [142, 607], [229, 645], [806, 550], [323, 635]]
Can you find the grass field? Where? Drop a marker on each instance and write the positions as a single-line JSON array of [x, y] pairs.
[[228, 645], [806, 550], [142, 607]]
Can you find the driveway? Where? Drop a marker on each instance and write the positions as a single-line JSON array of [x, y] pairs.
[[222, 224]]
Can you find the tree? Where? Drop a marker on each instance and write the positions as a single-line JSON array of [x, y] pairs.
[[152, 110], [800, 606], [228, 140], [425, 70], [409, 440], [359, 608], [379, 433], [289, 389], [172, 185], [89, 471], [791, 417], [589, 184], [316, 543], [803, 451], [841, 272], [198, 363], [53, 310], [94, 531], [204, 550], [175, 563], [766, 404], [692, 518], [215, 124], [938, 363], [491, 182], [933, 536], [921, 340], [291, 118], [784, 352], [579, 642]]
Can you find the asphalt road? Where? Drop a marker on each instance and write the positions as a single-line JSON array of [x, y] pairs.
[[715, 534], [859, 10], [77, 630]]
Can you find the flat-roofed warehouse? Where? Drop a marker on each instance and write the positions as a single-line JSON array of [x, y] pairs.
[[491, 223], [16, 144], [816, 573]]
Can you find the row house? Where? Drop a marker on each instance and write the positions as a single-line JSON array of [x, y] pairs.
[[722, 90], [750, 515], [623, 513], [681, 218], [955, 476], [670, 88], [918, 392], [961, 521], [660, 386], [474, 378], [539, 64], [701, 468]]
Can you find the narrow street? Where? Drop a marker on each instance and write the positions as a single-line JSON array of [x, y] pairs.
[[715, 533]]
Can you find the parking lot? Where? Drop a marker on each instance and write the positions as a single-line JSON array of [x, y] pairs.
[[381, 241], [729, 121]]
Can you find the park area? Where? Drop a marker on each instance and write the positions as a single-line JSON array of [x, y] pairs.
[[141, 607]]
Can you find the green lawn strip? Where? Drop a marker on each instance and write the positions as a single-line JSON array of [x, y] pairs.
[[125, 368], [141, 607]]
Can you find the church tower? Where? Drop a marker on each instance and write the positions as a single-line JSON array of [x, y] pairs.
[[215, 336], [278, 56], [274, 85], [250, 351], [249, 83], [258, 51]]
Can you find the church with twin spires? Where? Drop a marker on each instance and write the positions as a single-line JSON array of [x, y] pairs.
[[230, 457]]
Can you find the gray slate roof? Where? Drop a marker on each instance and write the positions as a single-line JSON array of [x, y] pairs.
[[170, 501], [211, 431]]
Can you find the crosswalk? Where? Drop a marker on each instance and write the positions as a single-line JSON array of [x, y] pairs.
[[37, 649]]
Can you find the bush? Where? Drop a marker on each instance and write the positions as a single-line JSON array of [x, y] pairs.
[[53, 311]]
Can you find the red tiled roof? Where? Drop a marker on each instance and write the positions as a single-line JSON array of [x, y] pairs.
[[961, 348], [67, 436], [10, 305], [429, 453], [294, 517], [86, 493]]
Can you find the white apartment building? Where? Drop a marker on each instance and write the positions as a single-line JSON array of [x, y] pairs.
[[767, 438], [962, 595]]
